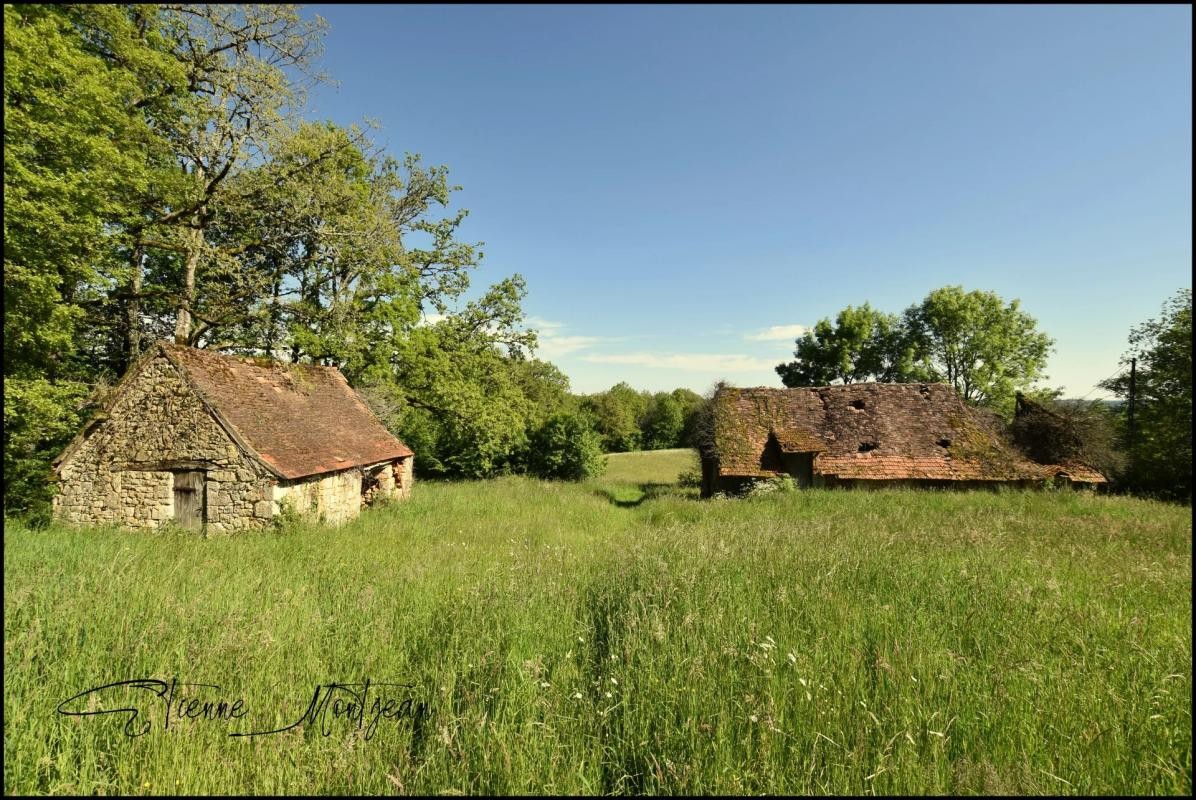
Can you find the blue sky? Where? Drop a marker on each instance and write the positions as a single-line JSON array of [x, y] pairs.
[[683, 186]]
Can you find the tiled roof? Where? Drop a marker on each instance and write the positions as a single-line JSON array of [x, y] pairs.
[[299, 419], [870, 431], [1081, 473]]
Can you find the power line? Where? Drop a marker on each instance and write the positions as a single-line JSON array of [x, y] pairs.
[[1098, 383]]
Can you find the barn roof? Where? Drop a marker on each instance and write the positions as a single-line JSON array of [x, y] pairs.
[[297, 419], [871, 431]]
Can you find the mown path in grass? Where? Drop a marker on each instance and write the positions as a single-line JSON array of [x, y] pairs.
[[812, 642]]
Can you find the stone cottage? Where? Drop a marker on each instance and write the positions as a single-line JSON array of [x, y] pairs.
[[867, 434], [219, 444]]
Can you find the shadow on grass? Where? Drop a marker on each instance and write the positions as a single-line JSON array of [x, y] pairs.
[[631, 496]]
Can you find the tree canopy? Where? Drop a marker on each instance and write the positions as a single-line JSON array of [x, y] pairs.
[[862, 344], [160, 183], [986, 349], [1160, 441]]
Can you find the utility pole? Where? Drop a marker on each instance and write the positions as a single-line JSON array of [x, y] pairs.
[[1133, 397]]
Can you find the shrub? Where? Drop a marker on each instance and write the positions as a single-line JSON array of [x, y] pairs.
[[566, 448], [781, 483], [288, 519]]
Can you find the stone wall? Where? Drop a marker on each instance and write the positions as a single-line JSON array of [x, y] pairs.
[[404, 477], [339, 497], [333, 499], [124, 471], [117, 475]]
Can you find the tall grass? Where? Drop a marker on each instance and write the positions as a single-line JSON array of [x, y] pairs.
[[809, 642]]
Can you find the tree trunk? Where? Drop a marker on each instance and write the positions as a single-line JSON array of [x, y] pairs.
[[133, 307], [182, 328], [274, 318]]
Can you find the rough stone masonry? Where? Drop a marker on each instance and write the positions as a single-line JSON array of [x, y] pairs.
[[221, 444]]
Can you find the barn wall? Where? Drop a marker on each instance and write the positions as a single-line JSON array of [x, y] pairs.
[[338, 497], [391, 479], [404, 475], [111, 477], [333, 499]]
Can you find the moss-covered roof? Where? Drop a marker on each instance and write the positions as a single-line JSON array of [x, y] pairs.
[[870, 431]]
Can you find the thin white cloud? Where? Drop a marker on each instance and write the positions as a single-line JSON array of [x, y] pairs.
[[543, 325], [776, 333], [551, 346], [553, 343], [692, 362]]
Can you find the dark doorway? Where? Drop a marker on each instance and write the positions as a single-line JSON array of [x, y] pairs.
[[801, 467], [189, 499]]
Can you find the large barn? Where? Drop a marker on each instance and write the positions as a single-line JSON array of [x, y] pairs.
[[220, 444], [866, 434]]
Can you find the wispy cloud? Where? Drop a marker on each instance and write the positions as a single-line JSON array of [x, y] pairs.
[[692, 362], [553, 343], [551, 347], [542, 325], [776, 333]]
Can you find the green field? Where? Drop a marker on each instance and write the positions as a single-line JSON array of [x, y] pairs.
[[611, 638], [650, 466]]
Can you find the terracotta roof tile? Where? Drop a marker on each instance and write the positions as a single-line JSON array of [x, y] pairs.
[[301, 419]]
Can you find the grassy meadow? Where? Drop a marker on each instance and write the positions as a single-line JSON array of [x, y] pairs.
[[622, 636], [648, 466]]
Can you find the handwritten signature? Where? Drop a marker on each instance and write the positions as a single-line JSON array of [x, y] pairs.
[[361, 705]]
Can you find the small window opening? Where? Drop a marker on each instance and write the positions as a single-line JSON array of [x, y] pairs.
[[857, 403], [925, 390], [866, 446], [943, 442]]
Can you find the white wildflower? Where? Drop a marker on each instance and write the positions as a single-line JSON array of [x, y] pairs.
[[577, 695], [754, 718], [544, 684]]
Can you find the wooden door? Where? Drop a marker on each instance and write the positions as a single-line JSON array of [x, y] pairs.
[[189, 499]]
